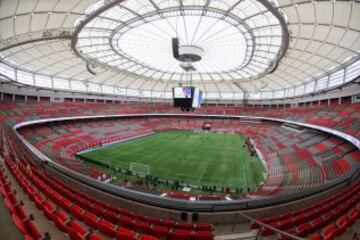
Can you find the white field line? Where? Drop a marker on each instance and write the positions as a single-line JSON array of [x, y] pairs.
[[202, 174]]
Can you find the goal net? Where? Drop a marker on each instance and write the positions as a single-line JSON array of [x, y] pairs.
[[140, 169]]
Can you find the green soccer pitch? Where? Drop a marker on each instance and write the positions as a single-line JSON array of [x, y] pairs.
[[199, 158]]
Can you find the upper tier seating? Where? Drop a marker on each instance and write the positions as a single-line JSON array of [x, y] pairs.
[[292, 164]]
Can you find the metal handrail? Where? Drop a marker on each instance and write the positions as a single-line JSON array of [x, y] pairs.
[[267, 226]]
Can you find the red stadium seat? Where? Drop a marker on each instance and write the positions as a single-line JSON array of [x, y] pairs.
[[181, 235], [184, 226], [203, 227], [316, 223], [19, 224], [126, 212], [125, 234], [107, 228], [98, 210], [353, 215], [60, 220], [159, 231], [64, 204], [126, 222], [168, 223], [147, 237], [300, 218], [315, 237], [342, 223], [141, 227], [154, 220], [91, 220], [38, 200], [27, 227], [47, 209], [203, 235], [140, 216], [34, 232], [328, 217], [303, 229], [286, 223], [111, 216], [329, 232], [12, 198], [93, 236], [77, 212], [75, 230]]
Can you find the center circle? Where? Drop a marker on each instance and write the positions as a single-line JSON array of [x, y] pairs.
[[215, 44]]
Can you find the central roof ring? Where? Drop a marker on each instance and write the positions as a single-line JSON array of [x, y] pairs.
[[161, 12], [190, 53]]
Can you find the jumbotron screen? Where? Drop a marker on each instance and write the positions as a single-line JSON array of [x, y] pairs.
[[187, 97], [183, 92]]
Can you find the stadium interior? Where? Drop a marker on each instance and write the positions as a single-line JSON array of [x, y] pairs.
[[179, 119]]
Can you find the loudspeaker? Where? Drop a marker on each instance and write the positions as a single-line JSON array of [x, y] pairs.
[[195, 217], [175, 47], [184, 216]]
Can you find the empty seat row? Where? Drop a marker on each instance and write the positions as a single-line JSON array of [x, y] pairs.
[[308, 220], [21, 219], [103, 225]]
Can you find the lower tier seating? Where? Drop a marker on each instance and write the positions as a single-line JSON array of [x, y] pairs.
[[333, 215], [85, 217]]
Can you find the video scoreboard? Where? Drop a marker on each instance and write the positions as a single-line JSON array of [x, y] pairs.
[[187, 97]]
